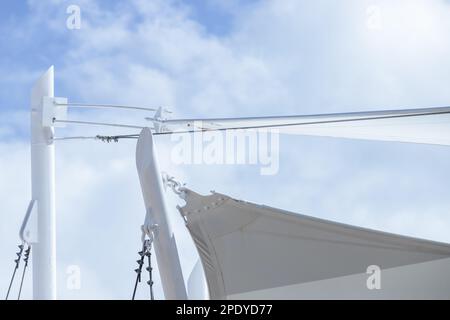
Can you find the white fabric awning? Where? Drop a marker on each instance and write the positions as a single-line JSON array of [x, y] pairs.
[[251, 251], [425, 125]]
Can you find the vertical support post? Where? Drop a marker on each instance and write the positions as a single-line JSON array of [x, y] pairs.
[[164, 241], [43, 191]]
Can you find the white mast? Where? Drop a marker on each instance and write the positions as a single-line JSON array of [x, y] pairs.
[[43, 191], [157, 217]]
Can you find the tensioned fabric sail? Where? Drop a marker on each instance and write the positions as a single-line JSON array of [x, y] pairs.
[[426, 125], [251, 251]]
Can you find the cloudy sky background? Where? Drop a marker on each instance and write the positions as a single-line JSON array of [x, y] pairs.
[[214, 59]]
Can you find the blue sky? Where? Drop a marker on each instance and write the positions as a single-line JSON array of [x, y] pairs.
[[223, 58]]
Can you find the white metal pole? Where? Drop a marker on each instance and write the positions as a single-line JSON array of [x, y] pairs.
[[43, 191], [164, 241]]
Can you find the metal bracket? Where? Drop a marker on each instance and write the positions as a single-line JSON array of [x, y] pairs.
[[54, 108], [176, 186], [28, 231], [157, 120]]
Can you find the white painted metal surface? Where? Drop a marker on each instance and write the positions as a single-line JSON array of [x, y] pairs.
[[164, 240], [43, 191]]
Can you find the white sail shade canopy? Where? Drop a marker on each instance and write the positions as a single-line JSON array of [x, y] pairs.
[[251, 251], [426, 125]]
